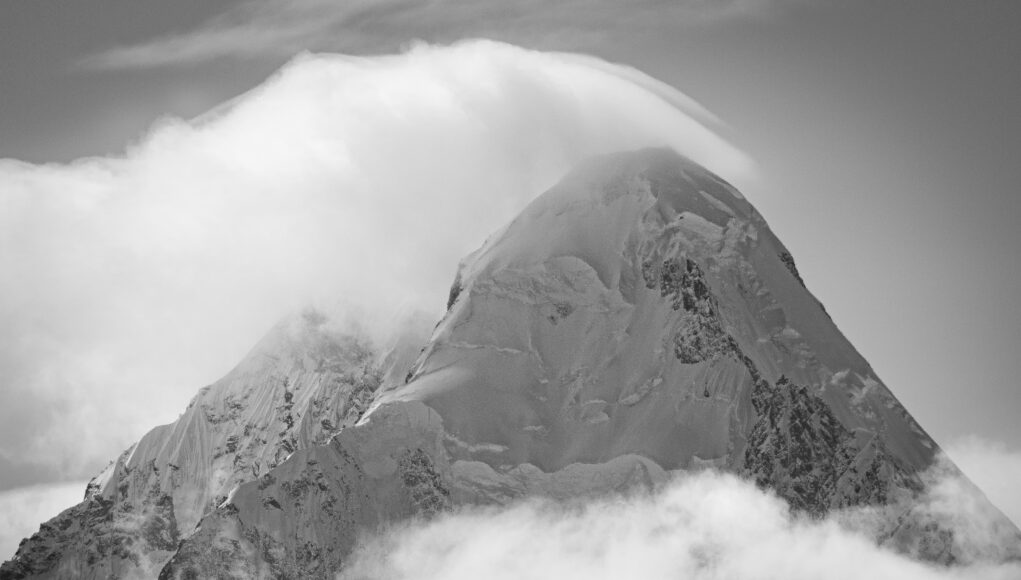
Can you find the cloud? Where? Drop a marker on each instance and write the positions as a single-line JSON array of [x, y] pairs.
[[133, 280], [701, 526], [22, 509], [994, 468], [259, 28]]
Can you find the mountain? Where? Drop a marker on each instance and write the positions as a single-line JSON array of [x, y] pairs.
[[302, 384], [638, 319]]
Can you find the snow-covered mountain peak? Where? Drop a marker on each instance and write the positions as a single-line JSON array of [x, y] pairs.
[[638, 319], [594, 209], [306, 380], [569, 335]]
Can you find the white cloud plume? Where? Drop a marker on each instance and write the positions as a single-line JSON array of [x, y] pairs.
[[130, 281], [994, 468], [702, 526], [21, 510], [258, 28]]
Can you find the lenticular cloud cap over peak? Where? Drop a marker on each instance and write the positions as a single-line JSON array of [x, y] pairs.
[[355, 179]]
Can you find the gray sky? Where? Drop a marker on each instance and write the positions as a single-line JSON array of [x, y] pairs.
[[886, 135]]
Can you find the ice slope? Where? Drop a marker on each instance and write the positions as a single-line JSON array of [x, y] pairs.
[[632, 310], [299, 386]]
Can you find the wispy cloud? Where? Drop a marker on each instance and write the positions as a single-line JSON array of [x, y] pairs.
[[993, 467], [270, 28], [23, 509]]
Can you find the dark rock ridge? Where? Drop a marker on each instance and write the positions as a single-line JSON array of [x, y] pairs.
[[638, 319]]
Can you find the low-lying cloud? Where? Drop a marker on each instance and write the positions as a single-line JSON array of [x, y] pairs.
[[130, 281], [995, 468], [702, 526], [22, 510]]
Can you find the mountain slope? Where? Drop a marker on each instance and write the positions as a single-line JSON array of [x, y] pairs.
[[644, 307], [298, 387], [636, 320]]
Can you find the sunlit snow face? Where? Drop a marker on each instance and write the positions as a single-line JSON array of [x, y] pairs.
[[354, 180]]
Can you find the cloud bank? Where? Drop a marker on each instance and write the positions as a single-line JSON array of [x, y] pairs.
[[701, 527], [130, 281], [22, 510], [994, 468], [260, 28]]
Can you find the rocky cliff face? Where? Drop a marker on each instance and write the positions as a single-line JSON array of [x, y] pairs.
[[639, 318]]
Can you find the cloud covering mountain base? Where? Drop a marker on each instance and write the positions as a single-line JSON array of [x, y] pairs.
[[701, 526], [994, 467]]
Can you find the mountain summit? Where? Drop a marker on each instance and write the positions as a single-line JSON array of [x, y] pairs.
[[636, 320]]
